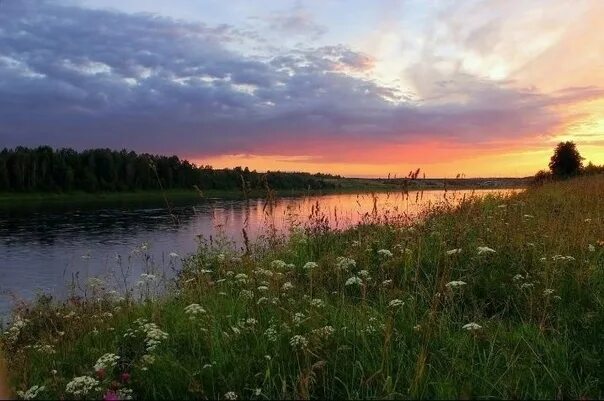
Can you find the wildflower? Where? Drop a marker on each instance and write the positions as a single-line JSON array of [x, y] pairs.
[[220, 257], [454, 251], [517, 277], [317, 303], [261, 300], [298, 342], [484, 250], [310, 266], [364, 274], [472, 326], [324, 332], [527, 286], [287, 286], [547, 292], [193, 310], [344, 263], [385, 253], [396, 303], [354, 280], [455, 284], [241, 277], [262, 288], [386, 283], [246, 294], [298, 318], [13, 333], [31, 393], [591, 248], [95, 282], [106, 361], [278, 264], [148, 359], [230, 396], [271, 334], [82, 385]]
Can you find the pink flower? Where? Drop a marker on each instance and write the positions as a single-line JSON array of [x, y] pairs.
[[125, 377], [111, 395]]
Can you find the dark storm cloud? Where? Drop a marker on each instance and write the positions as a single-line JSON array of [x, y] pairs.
[[78, 77]]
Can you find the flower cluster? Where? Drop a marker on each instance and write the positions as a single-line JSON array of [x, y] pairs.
[[81, 386], [32, 393], [194, 310], [106, 361]]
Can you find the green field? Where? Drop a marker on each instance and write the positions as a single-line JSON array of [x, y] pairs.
[[500, 297]]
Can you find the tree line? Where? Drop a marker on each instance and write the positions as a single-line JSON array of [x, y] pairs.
[[44, 169], [567, 162]]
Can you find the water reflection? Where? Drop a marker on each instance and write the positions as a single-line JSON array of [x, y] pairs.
[[42, 248]]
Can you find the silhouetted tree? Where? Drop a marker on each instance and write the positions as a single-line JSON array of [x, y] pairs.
[[566, 160]]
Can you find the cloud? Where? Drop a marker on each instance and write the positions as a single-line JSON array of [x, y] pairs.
[[71, 76]]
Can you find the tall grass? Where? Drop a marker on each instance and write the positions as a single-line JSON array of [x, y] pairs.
[[500, 297]]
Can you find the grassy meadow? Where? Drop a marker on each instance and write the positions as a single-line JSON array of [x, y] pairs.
[[499, 297]]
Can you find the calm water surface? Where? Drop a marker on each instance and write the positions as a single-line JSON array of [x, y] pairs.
[[42, 248]]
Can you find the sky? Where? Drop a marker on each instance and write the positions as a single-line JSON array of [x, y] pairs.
[[358, 88]]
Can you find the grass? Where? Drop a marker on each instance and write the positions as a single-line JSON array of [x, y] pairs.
[[499, 297]]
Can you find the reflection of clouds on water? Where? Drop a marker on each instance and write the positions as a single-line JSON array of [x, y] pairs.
[[46, 248]]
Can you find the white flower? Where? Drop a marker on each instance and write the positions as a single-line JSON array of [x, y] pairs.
[[396, 303], [246, 294], [484, 250], [271, 334], [278, 264], [344, 263], [386, 283], [591, 248], [31, 393], [354, 280], [287, 286], [106, 361], [454, 251], [230, 396], [148, 359], [324, 332], [472, 326], [517, 277], [193, 310], [82, 385], [364, 274], [310, 266], [527, 285], [455, 284], [298, 342], [548, 291], [298, 318], [317, 303], [385, 253]]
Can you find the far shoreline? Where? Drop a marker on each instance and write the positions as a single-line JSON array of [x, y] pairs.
[[349, 186]]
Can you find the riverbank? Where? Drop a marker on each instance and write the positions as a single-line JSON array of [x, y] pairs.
[[341, 186], [501, 297]]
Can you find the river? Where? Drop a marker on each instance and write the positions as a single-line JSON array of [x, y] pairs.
[[44, 247]]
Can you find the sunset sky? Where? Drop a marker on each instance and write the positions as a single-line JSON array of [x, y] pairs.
[[359, 88]]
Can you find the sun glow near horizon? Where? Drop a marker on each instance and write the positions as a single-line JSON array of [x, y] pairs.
[[480, 88]]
